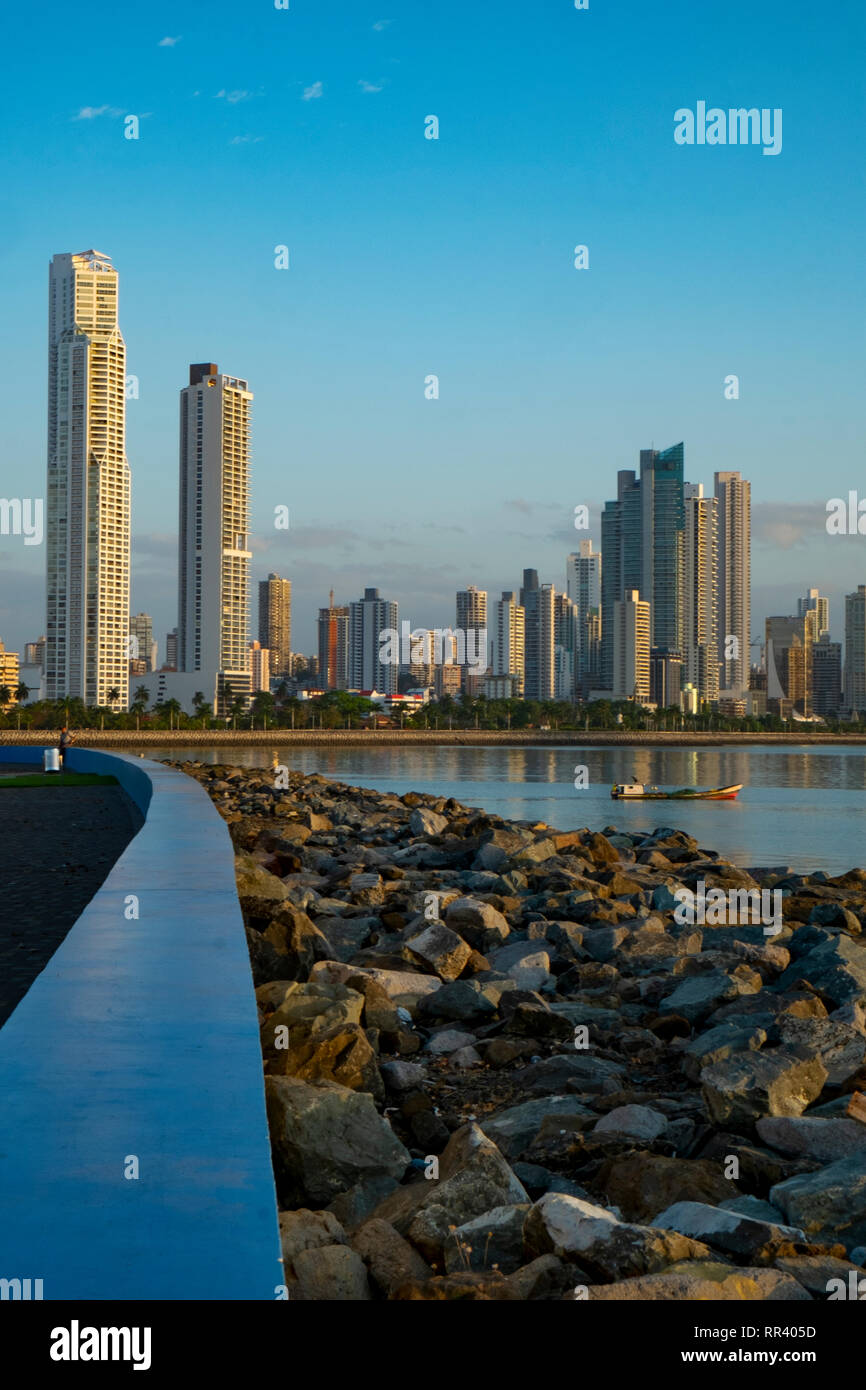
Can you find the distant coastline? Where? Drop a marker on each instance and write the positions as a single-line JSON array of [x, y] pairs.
[[347, 738]]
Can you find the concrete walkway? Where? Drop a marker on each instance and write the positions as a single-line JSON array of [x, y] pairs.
[[134, 1151]]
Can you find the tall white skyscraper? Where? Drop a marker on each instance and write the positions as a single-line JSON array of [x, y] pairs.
[[631, 648], [700, 592], [734, 498], [508, 640], [471, 610], [214, 555], [87, 512]]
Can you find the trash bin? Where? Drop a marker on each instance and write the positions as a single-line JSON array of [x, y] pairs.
[[51, 760]]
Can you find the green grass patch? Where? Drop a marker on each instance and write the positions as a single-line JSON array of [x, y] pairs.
[[57, 779]]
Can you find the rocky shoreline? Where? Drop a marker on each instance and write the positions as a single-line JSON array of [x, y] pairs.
[[499, 1065]]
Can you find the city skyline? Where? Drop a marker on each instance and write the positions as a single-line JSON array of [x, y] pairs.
[[663, 608], [455, 257]]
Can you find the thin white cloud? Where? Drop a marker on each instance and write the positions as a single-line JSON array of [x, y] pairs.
[[169, 42], [233, 97], [311, 93], [90, 113], [381, 24], [246, 139], [784, 525], [370, 86]]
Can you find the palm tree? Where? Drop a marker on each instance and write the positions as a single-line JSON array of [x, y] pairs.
[[21, 691], [5, 695], [113, 695], [173, 708], [197, 701], [140, 699]]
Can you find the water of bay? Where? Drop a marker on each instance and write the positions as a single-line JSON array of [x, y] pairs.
[[803, 806]]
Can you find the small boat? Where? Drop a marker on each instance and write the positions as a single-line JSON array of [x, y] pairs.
[[637, 791]]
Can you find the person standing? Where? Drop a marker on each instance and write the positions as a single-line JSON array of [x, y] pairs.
[[65, 740]]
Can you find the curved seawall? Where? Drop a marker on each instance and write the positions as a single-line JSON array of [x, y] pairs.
[[134, 1152]]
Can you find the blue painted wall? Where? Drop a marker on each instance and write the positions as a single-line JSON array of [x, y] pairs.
[[140, 1038]]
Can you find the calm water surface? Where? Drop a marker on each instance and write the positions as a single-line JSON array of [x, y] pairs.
[[803, 806]]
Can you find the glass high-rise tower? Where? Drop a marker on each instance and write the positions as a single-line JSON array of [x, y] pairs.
[[733, 499], [662, 542]]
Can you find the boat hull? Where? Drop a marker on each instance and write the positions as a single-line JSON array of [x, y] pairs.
[[713, 794]]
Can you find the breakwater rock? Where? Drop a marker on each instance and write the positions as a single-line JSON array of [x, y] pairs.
[[503, 1062]]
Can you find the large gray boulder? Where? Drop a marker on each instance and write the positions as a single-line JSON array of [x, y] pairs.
[[728, 1231], [751, 1084], [477, 922], [425, 822], [514, 1128], [441, 949], [493, 1240], [841, 1046], [575, 1073], [390, 1259], [830, 1204], [600, 1243], [634, 1122], [259, 891], [326, 1138], [699, 995], [329, 1274], [308, 1230], [824, 1139], [837, 968], [473, 1179]]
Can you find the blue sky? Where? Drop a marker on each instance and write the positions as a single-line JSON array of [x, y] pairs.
[[261, 127]]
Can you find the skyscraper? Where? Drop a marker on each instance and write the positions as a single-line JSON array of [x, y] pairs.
[[621, 555], [143, 648], [539, 642], [631, 648], [9, 676], [826, 676], [368, 619], [566, 641], [471, 612], [334, 646], [814, 603], [275, 622], [530, 581], [260, 668], [789, 660], [34, 652], [855, 651], [214, 554], [508, 641], [700, 592], [583, 587], [87, 512], [662, 537], [733, 495]]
